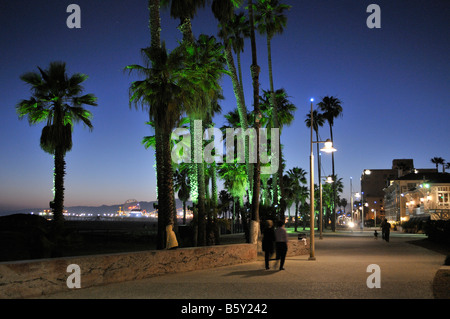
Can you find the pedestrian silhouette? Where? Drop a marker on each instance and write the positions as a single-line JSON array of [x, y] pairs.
[[281, 240], [386, 229], [268, 242]]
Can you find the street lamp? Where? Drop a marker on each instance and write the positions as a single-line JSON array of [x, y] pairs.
[[327, 149]]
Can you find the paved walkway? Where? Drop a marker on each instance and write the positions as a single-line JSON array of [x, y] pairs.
[[339, 271]]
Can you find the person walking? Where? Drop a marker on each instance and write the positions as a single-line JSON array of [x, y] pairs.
[[281, 240], [268, 242], [386, 229]]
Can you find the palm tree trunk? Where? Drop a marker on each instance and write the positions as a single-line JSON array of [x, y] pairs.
[[162, 203], [276, 176], [58, 201], [198, 163], [255, 70], [239, 94], [154, 23], [170, 217], [238, 55]]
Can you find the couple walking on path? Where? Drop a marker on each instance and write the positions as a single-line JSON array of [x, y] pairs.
[[277, 238]]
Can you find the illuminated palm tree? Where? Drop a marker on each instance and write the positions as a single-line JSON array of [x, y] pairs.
[[285, 114], [163, 92], [237, 29], [235, 178], [255, 70], [204, 65], [298, 177], [270, 20], [231, 31], [182, 186], [332, 109], [57, 100]]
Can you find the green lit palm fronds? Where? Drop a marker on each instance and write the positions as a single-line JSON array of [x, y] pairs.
[[56, 99], [270, 17]]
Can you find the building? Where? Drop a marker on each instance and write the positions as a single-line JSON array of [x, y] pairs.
[[374, 181], [418, 195]]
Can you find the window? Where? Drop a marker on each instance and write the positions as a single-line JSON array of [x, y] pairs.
[[444, 196]]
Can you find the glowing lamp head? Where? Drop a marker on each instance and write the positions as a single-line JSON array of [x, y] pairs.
[[312, 99], [328, 147]]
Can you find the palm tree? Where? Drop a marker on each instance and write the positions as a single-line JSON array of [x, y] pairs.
[[255, 70], [236, 30], [204, 66], [438, 161], [319, 121], [232, 30], [235, 178], [298, 177], [185, 11], [182, 186], [154, 23], [285, 114], [56, 98], [163, 93], [270, 20], [332, 109]]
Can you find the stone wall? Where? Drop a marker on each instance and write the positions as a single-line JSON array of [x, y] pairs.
[[27, 279]]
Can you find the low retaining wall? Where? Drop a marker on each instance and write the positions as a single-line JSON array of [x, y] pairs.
[[26, 279], [441, 283]]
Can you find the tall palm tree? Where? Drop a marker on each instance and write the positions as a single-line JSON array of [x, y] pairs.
[[154, 23], [205, 64], [163, 92], [231, 30], [270, 20], [319, 121], [56, 99], [298, 178], [285, 114], [255, 70], [181, 185], [237, 29], [438, 161], [184, 10], [332, 109], [235, 178]]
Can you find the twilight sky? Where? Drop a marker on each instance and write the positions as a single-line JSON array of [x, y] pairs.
[[394, 83]]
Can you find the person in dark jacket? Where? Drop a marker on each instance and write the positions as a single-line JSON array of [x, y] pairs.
[[386, 227], [268, 242]]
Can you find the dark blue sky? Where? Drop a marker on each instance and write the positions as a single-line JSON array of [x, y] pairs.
[[393, 82]]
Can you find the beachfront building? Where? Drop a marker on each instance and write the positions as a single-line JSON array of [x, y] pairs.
[[418, 195], [373, 183]]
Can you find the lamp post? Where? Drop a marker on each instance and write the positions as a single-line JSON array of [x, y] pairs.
[[327, 149]]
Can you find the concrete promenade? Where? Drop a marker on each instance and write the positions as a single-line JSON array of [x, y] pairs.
[[340, 271]]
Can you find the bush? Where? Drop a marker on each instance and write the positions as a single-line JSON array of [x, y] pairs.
[[447, 261], [415, 225], [438, 231]]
